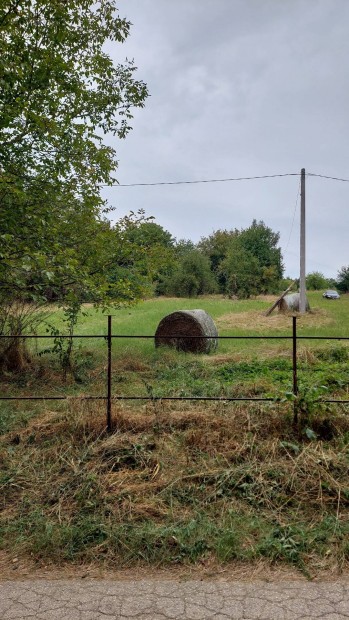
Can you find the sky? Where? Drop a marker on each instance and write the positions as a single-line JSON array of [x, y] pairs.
[[240, 88]]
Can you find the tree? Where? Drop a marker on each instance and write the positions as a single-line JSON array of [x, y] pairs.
[[153, 253], [150, 234], [170, 261], [60, 90], [183, 247], [343, 279], [216, 248], [60, 93], [262, 242], [316, 281], [192, 277], [78, 269], [241, 271], [256, 243]]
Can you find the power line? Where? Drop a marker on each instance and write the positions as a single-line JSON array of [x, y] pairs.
[[264, 176], [228, 179], [324, 176]]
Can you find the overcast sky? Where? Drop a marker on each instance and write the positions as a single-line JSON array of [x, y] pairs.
[[241, 88]]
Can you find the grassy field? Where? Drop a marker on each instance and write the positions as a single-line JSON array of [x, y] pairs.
[[239, 367], [240, 318], [183, 482]]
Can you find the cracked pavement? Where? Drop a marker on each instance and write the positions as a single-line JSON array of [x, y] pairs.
[[92, 599]]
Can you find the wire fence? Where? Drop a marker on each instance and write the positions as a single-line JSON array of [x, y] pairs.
[[108, 397]]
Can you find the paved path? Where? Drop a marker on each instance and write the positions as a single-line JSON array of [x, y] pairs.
[[92, 599]]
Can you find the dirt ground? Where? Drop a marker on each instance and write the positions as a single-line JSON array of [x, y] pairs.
[[14, 568]]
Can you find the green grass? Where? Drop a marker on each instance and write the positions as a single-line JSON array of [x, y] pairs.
[[245, 367], [330, 318], [144, 318], [251, 368]]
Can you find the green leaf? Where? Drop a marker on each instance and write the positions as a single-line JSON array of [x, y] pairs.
[[310, 433]]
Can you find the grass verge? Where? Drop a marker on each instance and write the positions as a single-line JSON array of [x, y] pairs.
[[175, 486]]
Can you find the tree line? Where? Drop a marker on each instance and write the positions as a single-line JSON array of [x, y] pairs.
[[235, 263]]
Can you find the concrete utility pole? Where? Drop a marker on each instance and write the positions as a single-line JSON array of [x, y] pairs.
[[302, 304]]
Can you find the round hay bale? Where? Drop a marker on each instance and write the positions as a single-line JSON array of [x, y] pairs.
[[290, 303], [192, 331]]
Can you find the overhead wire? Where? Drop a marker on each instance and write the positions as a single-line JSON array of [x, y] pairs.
[[324, 176], [230, 179], [264, 176], [224, 180]]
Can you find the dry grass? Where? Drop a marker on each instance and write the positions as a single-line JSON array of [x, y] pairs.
[[182, 477], [255, 321]]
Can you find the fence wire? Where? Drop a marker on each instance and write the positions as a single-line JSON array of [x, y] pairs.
[[109, 398]]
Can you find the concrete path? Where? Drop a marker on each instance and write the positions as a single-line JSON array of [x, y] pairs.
[[93, 599]]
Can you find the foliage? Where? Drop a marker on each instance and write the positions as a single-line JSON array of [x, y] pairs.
[[343, 279], [245, 262], [63, 344], [286, 282], [168, 279], [316, 281], [183, 246], [90, 261], [60, 92], [262, 242], [331, 283], [307, 406], [216, 247], [192, 276], [156, 252], [16, 317], [149, 234], [240, 271]]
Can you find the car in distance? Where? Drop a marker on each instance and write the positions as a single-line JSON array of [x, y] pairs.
[[331, 295]]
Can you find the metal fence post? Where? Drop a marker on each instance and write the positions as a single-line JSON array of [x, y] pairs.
[[109, 341], [294, 364]]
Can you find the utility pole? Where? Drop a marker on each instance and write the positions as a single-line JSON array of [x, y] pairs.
[[302, 304]]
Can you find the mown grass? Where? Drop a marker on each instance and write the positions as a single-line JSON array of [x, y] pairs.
[[179, 483], [256, 366], [175, 485], [233, 317]]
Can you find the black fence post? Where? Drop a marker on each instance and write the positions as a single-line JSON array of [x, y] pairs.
[[109, 341], [294, 364]]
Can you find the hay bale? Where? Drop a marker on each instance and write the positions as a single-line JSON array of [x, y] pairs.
[[192, 331], [290, 303]]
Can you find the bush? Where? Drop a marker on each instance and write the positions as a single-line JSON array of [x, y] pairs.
[[316, 281], [343, 279], [192, 277]]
